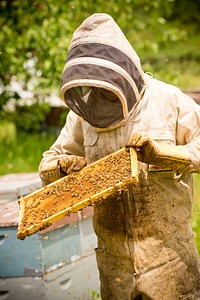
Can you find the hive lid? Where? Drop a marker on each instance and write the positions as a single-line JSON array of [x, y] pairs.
[[12, 186]]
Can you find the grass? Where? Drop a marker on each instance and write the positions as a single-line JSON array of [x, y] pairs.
[[21, 152]]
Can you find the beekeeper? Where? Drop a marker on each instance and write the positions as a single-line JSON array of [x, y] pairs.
[[145, 248]]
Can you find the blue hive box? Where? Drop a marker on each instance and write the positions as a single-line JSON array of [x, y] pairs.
[[57, 263]]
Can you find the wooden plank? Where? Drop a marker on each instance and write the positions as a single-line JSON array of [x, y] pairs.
[[72, 193], [194, 94]]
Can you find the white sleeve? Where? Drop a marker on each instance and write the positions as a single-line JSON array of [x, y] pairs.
[[188, 127], [69, 142]]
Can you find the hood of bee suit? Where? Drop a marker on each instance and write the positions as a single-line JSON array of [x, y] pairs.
[[102, 78]]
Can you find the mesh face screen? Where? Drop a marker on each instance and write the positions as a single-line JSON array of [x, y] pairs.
[[111, 54], [101, 65], [99, 107], [90, 71]]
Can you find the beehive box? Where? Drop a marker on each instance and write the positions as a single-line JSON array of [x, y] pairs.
[[92, 184]]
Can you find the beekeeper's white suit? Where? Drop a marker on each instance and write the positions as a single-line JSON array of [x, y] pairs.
[[145, 241]]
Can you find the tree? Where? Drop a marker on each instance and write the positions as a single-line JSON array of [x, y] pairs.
[[35, 36]]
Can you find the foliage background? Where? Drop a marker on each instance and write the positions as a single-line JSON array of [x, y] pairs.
[[35, 36]]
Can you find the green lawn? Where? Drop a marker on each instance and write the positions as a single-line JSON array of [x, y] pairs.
[[20, 151]]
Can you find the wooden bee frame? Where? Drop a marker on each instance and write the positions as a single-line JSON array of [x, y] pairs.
[[92, 184]]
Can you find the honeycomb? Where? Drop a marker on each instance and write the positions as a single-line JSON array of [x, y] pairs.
[[92, 184]]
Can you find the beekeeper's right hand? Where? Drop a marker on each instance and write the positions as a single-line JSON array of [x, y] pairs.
[[163, 155], [55, 169], [147, 148]]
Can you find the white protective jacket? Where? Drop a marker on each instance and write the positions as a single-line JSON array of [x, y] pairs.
[[145, 240]]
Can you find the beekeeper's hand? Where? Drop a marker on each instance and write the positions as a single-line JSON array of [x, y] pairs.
[[147, 148], [57, 168], [71, 164], [164, 155]]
